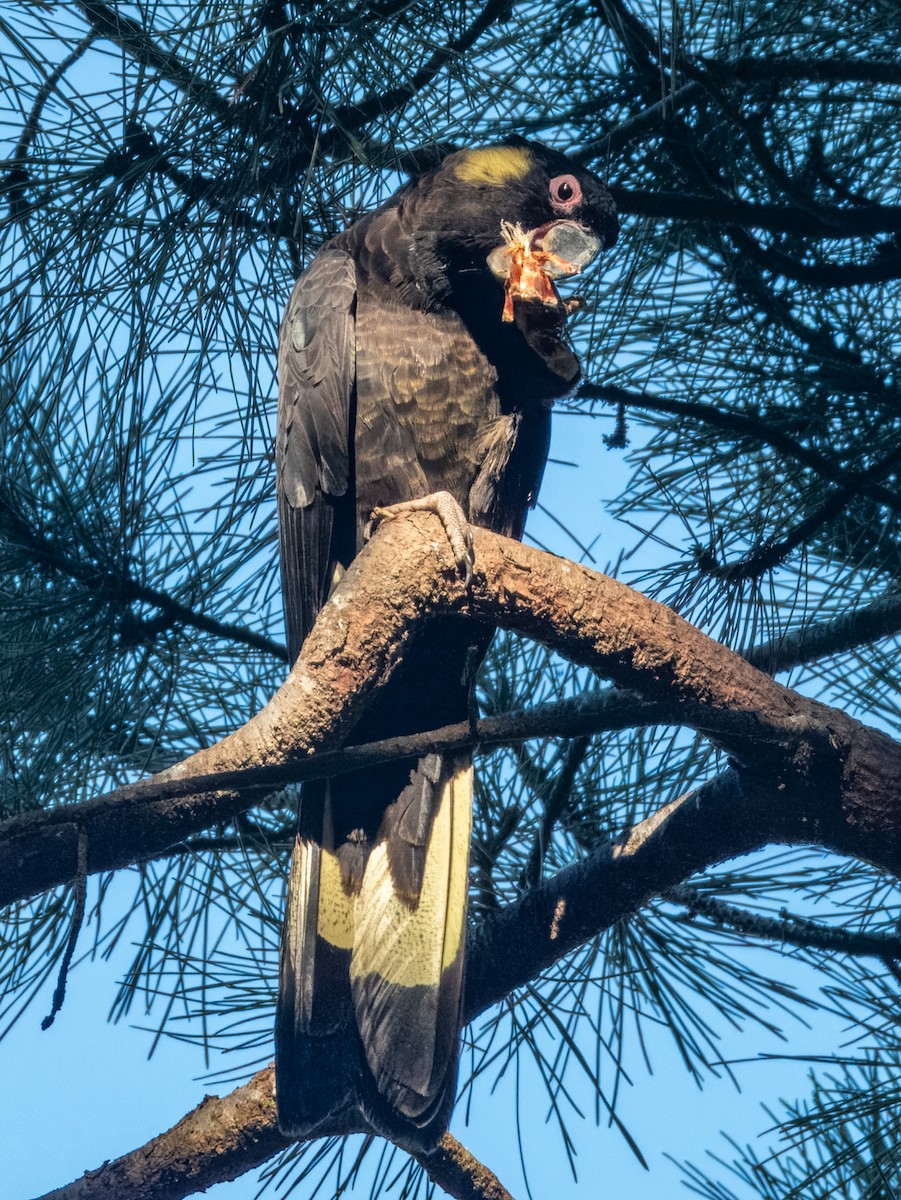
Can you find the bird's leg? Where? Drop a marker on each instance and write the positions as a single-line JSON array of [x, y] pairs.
[[452, 517]]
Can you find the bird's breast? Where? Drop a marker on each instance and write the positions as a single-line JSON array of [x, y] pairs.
[[424, 392]]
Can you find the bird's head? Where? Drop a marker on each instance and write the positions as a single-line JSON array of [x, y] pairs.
[[526, 213]]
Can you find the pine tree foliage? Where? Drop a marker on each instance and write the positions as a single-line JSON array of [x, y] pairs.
[[169, 169]]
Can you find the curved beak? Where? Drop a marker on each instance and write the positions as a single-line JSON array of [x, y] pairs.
[[564, 248], [528, 262], [570, 243]]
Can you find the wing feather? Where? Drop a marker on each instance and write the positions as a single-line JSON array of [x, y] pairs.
[[407, 963], [317, 1061], [317, 1064], [317, 371]]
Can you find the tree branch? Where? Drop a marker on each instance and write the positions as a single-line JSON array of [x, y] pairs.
[[576, 717], [460, 1174], [638, 42], [405, 576], [819, 220], [756, 428], [786, 928], [651, 116], [728, 816], [381, 104], [107, 22], [217, 1141], [808, 218], [836, 69], [838, 367], [883, 266], [821, 639], [154, 809], [558, 795], [45, 91], [772, 551], [45, 553]]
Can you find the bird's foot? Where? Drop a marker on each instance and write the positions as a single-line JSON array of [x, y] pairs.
[[452, 517]]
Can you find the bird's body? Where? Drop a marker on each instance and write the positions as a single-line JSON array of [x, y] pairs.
[[399, 379]]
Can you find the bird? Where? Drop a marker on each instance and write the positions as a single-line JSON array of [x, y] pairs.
[[419, 357]]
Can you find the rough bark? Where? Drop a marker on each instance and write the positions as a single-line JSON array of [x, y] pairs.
[[461, 1175], [217, 1141], [405, 577]]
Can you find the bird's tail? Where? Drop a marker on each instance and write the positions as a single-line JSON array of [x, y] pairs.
[[372, 957]]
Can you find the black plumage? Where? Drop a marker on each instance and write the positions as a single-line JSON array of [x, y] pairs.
[[400, 375]]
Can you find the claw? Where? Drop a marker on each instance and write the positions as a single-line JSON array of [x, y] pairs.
[[452, 517]]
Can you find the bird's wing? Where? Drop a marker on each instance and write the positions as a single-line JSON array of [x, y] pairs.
[[316, 1059], [316, 368]]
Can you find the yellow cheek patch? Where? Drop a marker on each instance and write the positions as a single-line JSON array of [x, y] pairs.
[[495, 166]]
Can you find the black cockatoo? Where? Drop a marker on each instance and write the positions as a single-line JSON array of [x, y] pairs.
[[420, 353]]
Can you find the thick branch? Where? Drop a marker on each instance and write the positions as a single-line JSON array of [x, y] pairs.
[[215, 1142], [405, 576], [821, 639], [460, 1174], [723, 818], [345, 657], [137, 822], [142, 806]]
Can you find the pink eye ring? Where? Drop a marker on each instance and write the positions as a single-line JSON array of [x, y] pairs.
[[566, 191]]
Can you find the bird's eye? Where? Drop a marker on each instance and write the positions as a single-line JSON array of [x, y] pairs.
[[565, 191]]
